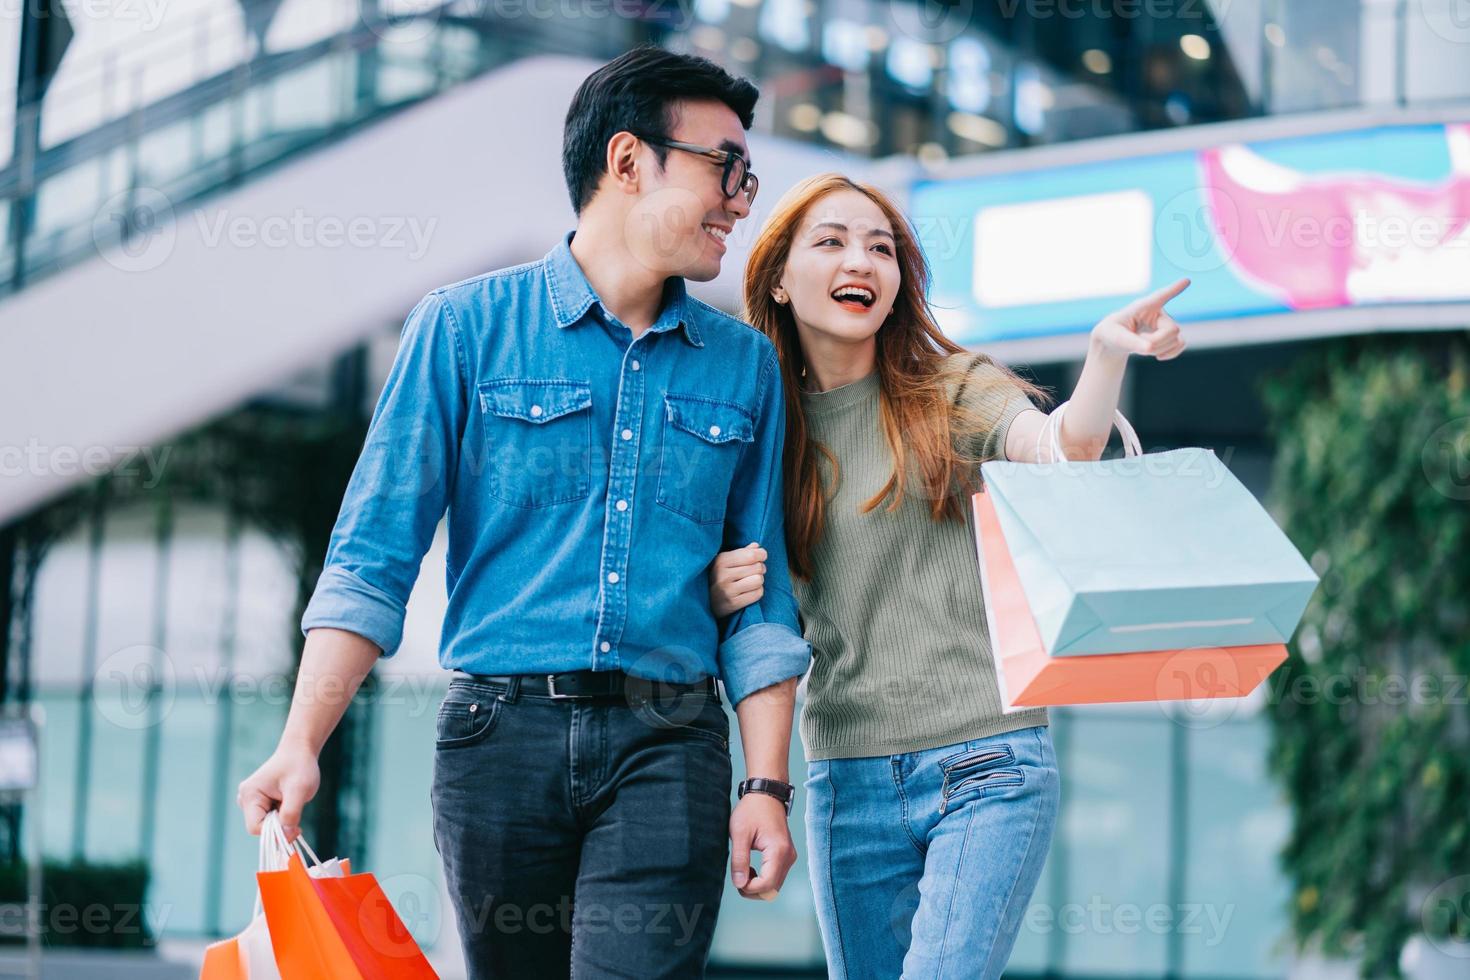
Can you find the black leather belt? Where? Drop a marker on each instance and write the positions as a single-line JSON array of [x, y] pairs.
[[597, 684]]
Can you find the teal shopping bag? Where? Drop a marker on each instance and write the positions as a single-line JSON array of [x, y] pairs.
[[1154, 551]]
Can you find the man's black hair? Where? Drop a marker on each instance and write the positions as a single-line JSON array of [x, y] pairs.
[[634, 92]]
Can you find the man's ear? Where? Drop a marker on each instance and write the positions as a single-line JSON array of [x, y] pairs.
[[623, 169]]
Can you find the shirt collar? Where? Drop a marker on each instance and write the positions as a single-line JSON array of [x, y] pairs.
[[572, 295]]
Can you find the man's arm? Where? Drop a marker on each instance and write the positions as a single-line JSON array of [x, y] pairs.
[[392, 505], [400, 486], [759, 820], [761, 653], [333, 665], [761, 644]]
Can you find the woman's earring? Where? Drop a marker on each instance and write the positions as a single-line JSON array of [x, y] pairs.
[[803, 370]]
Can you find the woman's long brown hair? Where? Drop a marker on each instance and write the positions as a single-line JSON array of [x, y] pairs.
[[929, 435]]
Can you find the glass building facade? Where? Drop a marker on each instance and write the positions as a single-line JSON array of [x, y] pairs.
[[212, 92]]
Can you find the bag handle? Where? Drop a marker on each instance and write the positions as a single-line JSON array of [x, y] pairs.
[[275, 850], [280, 847], [1051, 434]]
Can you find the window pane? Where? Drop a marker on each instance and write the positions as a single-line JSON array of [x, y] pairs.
[[1115, 827]]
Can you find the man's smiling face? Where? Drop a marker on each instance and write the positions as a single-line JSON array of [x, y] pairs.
[[679, 224]]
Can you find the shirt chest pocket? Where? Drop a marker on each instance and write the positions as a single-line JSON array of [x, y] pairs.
[[701, 445], [538, 440]]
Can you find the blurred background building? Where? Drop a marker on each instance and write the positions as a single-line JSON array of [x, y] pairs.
[[216, 214]]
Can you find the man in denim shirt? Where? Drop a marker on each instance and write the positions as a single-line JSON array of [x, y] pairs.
[[597, 436]]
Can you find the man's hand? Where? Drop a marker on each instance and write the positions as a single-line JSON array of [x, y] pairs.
[[758, 823], [286, 781]]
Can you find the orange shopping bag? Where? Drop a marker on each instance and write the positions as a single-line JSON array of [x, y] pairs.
[[248, 956], [335, 926], [244, 957], [1030, 678]]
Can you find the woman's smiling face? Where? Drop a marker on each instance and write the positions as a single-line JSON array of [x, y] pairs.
[[842, 275]]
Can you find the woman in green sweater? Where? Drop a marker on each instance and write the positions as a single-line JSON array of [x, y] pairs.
[[930, 810]]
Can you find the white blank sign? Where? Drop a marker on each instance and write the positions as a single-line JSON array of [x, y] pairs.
[[1064, 249]]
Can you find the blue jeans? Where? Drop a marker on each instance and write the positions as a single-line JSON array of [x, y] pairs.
[[581, 838], [923, 863]]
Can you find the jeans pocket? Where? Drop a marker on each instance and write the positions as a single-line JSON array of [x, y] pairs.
[[538, 440], [977, 770], [694, 714], [466, 717], [702, 442]]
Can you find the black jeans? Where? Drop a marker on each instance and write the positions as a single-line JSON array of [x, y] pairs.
[[580, 838]]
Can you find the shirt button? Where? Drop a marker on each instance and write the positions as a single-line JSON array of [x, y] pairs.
[[535, 411], [714, 430], [612, 577], [622, 505], [606, 646], [627, 434], [636, 365]]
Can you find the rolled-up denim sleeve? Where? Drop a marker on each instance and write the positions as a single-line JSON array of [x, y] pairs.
[[400, 485], [761, 644]]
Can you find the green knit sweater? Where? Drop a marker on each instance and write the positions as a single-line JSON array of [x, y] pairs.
[[901, 657]]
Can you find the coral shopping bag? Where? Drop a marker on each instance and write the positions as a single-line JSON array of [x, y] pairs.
[[1156, 551], [248, 956], [342, 927], [321, 921], [1028, 677]]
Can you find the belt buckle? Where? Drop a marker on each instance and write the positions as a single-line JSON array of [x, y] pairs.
[[551, 691]]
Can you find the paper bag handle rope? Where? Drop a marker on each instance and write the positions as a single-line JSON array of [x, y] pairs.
[[275, 850], [1051, 434]]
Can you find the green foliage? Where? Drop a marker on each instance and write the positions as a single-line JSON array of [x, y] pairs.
[[1372, 728], [82, 904]]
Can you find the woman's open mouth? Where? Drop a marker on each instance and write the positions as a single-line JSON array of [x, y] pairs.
[[856, 299]]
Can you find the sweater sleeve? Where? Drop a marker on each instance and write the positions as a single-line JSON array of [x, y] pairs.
[[989, 391]]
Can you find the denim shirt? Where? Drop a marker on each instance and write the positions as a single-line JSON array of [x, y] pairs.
[[590, 479]]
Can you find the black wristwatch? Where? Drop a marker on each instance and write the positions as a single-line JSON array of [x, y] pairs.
[[784, 792]]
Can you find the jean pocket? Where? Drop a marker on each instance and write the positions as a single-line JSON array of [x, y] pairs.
[[976, 771], [695, 714], [466, 717], [538, 440], [702, 440]]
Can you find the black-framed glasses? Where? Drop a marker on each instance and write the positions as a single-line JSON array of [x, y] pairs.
[[737, 175]]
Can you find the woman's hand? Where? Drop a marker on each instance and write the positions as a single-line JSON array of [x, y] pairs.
[[736, 579], [1142, 327]]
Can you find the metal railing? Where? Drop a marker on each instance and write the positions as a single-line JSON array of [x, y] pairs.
[[112, 181]]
